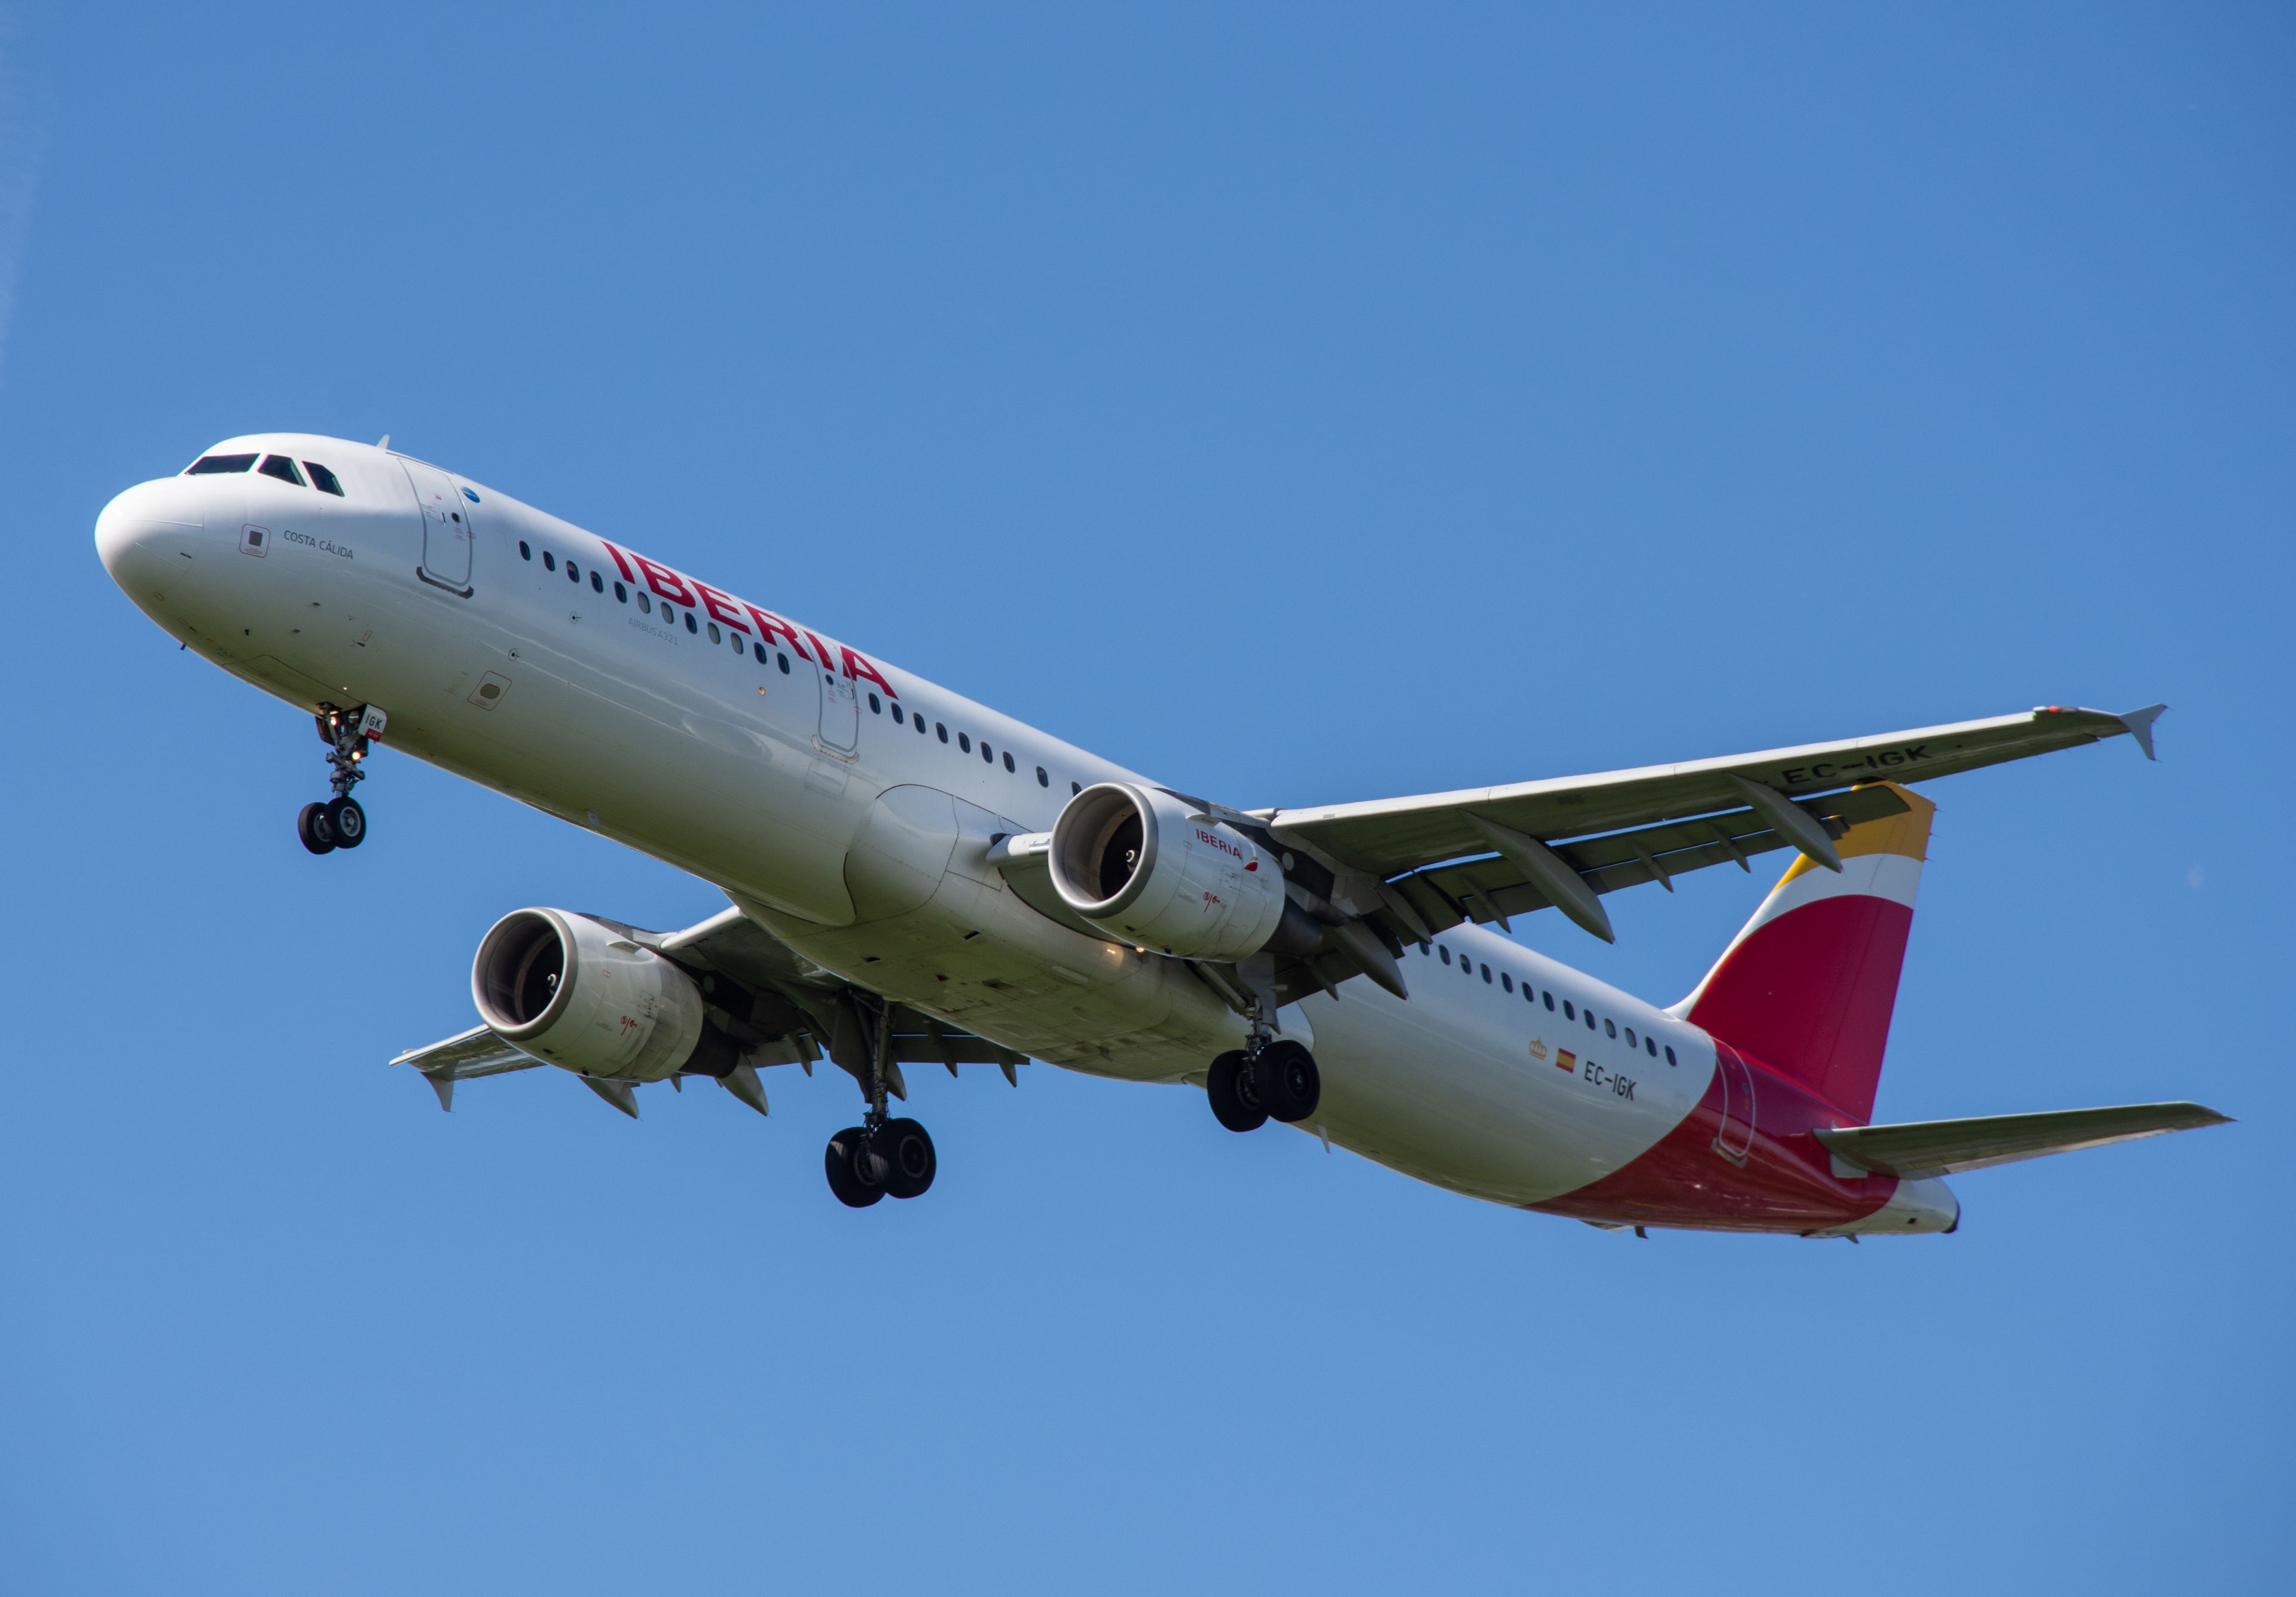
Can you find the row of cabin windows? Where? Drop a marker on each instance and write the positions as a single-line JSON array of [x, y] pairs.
[[915, 718], [671, 614], [273, 465], [1571, 1012]]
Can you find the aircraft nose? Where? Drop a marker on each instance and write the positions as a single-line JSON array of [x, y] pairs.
[[145, 527]]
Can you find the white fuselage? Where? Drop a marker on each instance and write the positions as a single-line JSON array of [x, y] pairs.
[[853, 822]]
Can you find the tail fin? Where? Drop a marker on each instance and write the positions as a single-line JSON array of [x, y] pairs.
[[1808, 984]]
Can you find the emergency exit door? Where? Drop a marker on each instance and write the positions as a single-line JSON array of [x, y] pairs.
[[841, 710]]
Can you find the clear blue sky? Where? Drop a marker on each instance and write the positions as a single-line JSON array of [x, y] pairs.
[[1299, 405]]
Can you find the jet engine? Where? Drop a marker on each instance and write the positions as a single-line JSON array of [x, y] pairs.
[[1141, 866], [578, 993]]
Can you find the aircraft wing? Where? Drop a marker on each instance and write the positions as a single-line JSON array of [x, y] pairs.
[[1920, 1148], [779, 1006], [1487, 853]]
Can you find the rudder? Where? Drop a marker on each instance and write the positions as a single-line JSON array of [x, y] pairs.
[[1808, 986]]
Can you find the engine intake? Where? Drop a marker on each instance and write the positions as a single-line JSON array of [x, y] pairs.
[[577, 993], [1136, 863]]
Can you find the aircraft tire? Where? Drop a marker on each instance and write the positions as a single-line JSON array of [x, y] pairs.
[[906, 1155], [1290, 1084], [851, 1169], [312, 827], [348, 821], [1226, 1086]]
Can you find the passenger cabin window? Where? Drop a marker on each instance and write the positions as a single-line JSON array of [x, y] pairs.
[[1486, 975], [1445, 952], [1507, 982], [645, 604], [1670, 1054], [782, 660], [573, 572], [715, 636], [622, 597], [323, 480], [876, 707], [549, 561], [1568, 1013], [1548, 998], [965, 742], [1609, 1028], [759, 650], [1043, 781], [690, 626], [216, 465], [1649, 1044], [1008, 759], [524, 551]]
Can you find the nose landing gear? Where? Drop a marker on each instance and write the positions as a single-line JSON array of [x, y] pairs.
[[340, 823]]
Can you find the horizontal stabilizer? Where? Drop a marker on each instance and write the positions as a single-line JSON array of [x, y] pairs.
[[1926, 1148]]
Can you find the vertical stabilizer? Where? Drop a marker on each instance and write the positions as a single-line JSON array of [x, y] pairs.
[[1808, 985]]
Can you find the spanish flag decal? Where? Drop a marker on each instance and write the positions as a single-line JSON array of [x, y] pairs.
[[1564, 1060]]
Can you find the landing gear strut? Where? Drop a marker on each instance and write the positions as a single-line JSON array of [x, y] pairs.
[[340, 823], [882, 1156]]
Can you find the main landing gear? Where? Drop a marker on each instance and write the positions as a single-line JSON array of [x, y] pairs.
[[1276, 1081], [340, 823], [882, 1156]]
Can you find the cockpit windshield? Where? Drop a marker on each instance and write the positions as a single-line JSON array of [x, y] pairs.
[[273, 465]]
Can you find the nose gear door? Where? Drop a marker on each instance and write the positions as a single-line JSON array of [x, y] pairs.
[[445, 528]]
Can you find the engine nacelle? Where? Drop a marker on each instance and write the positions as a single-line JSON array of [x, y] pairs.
[[577, 993], [1131, 860]]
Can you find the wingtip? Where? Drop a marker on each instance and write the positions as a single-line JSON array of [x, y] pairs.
[[2139, 723]]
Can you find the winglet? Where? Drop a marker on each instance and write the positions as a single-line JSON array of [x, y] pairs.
[[2139, 723]]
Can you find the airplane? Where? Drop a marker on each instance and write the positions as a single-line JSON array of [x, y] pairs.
[[913, 878]]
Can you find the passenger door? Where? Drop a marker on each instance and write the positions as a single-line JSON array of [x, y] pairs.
[[445, 528], [1737, 1134], [840, 712]]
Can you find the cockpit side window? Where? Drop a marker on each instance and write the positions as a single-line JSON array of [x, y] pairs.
[[283, 469], [323, 480], [211, 465]]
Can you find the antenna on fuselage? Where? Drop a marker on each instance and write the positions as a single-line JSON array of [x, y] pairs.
[[385, 444]]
